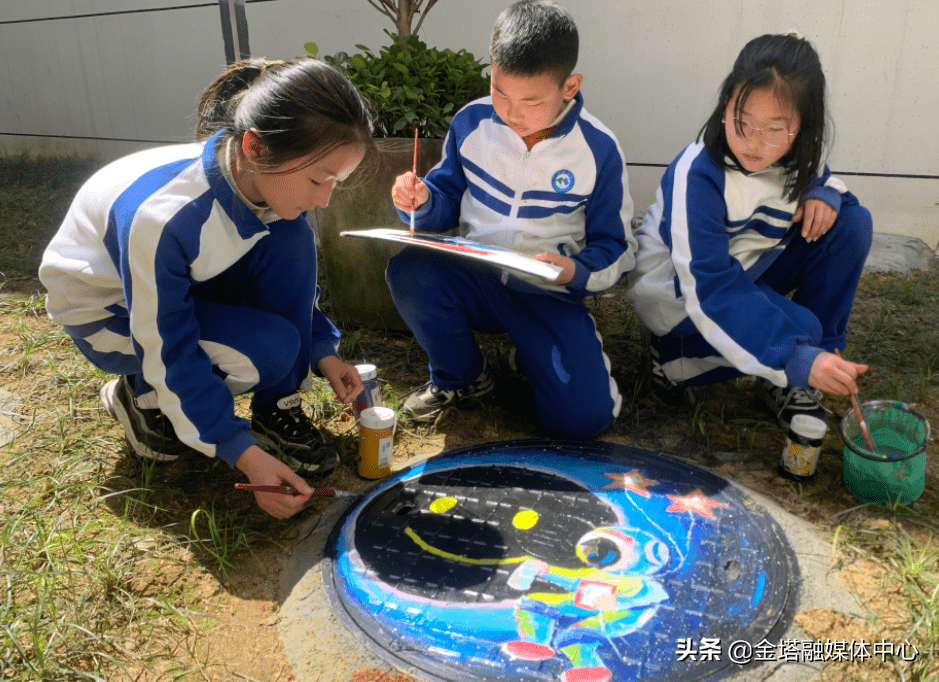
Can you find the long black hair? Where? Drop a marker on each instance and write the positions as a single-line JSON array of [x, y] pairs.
[[789, 66], [297, 108]]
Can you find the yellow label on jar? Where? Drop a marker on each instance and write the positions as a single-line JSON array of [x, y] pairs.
[[375, 446], [795, 449], [800, 459]]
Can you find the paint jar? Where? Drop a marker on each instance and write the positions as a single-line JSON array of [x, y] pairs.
[[376, 435], [896, 471], [803, 445], [371, 394]]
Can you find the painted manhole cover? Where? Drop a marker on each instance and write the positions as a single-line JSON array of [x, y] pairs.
[[551, 560]]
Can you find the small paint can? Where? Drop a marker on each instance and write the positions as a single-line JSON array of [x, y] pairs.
[[371, 394], [803, 445], [376, 436]]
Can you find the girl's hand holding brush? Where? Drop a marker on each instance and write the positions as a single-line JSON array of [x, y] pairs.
[[855, 403], [833, 374]]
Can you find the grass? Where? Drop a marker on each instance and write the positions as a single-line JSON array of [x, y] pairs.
[[912, 570], [107, 564], [91, 553]]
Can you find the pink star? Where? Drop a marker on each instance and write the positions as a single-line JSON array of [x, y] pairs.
[[694, 502], [631, 480]]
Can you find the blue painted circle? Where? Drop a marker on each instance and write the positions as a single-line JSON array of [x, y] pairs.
[[555, 560]]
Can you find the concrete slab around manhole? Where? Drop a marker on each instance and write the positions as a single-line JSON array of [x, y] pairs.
[[898, 253], [792, 560]]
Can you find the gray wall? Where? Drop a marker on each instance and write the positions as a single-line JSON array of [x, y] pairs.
[[112, 76]]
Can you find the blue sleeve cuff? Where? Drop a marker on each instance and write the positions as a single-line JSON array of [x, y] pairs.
[[578, 284], [320, 350], [800, 365], [829, 195], [232, 449], [422, 212]]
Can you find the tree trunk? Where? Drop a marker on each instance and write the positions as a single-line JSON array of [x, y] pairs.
[[405, 15]]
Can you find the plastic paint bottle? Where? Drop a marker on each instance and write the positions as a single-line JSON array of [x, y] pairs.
[[803, 444], [371, 394], [376, 436]]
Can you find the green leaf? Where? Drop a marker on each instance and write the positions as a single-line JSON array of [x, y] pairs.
[[311, 48], [412, 84]]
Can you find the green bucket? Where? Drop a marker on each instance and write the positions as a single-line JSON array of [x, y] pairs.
[[896, 472]]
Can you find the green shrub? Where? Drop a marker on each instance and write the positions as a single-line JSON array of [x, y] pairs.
[[411, 85]]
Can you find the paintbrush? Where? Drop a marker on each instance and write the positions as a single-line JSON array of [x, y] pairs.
[[414, 168], [855, 403], [290, 490]]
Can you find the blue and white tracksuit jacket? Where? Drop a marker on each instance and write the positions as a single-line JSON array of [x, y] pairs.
[[160, 270], [569, 195], [719, 252]]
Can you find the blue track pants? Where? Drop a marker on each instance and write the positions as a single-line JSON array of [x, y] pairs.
[[822, 278], [446, 299], [256, 320]]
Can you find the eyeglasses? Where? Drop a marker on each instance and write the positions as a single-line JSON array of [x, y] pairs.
[[773, 136]]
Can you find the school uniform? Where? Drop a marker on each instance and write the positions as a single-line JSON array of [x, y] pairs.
[[568, 194], [726, 281], [162, 270]]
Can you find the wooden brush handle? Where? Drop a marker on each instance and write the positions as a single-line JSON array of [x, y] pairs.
[[860, 417]]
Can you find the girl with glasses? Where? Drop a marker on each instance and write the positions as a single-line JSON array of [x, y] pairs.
[[749, 260]]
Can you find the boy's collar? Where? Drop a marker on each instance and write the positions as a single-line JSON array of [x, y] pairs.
[[568, 105], [545, 133], [568, 116]]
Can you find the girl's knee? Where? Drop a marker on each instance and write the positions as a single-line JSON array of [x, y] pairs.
[[855, 227], [287, 247], [282, 357], [262, 356]]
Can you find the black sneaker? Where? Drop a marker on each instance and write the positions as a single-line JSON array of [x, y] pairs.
[[426, 402], [787, 402], [148, 432], [661, 389], [287, 429]]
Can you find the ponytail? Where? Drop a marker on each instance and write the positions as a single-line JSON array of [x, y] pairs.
[[296, 108], [218, 102]]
